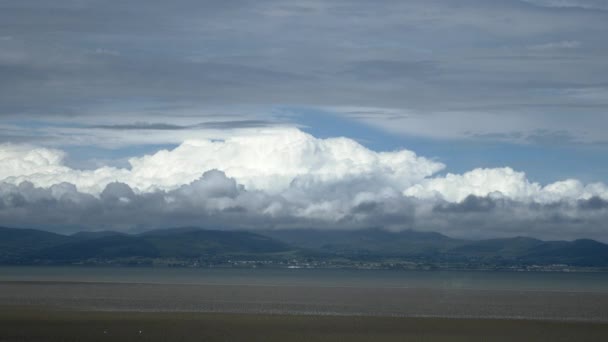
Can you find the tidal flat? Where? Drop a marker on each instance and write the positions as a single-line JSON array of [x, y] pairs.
[[308, 300], [36, 325], [88, 304]]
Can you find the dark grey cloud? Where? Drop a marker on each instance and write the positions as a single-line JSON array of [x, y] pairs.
[[232, 124], [142, 126], [471, 203], [545, 137], [540, 137], [365, 207], [485, 217], [594, 203], [235, 124], [218, 202]]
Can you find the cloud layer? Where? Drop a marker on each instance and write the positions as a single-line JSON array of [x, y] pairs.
[[285, 178], [269, 160], [507, 70]]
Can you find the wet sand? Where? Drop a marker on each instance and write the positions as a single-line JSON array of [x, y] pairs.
[[308, 300], [51, 311], [36, 324]]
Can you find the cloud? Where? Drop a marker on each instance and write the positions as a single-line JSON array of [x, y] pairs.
[[268, 160], [288, 160], [593, 203], [218, 202], [220, 125], [234, 124], [26, 160], [566, 44], [392, 70], [507, 61], [583, 4], [212, 78], [141, 126], [493, 123], [284, 179], [492, 216], [471, 203], [503, 182], [478, 182]]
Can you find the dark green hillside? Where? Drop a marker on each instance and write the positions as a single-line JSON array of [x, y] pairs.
[[377, 242], [193, 246], [582, 252], [16, 244], [105, 247], [506, 248], [23, 246], [187, 243], [95, 235]]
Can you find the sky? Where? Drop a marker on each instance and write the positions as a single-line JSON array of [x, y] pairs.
[[473, 118]]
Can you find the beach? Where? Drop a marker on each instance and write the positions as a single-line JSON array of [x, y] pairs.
[[308, 300], [34, 325], [243, 305]]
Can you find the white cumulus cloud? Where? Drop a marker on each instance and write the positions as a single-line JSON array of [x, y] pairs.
[[286, 178], [269, 160], [294, 164], [478, 182], [505, 182]]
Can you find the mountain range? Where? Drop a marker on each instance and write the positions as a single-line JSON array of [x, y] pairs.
[[28, 246]]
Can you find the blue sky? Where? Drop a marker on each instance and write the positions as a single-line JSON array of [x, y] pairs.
[[544, 163]]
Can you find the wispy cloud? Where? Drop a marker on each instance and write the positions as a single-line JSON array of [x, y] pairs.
[[421, 56], [584, 4], [223, 125], [568, 44]]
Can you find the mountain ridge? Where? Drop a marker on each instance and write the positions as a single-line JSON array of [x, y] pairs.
[[30, 246]]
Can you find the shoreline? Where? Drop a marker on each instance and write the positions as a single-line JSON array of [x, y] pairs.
[[526, 269], [144, 283]]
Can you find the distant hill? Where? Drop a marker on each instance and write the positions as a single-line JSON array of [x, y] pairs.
[[28, 246], [506, 248], [95, 235], [112, 246], [378, 244], [376, 241], [196, 243], [582, 252], [18, 243], [23, 246]]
